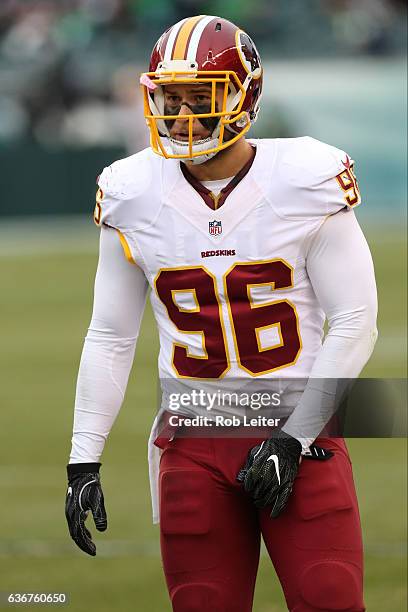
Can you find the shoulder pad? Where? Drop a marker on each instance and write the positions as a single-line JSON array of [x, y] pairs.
[[312, 178], [307, 161], [126, 188], [129, 177]]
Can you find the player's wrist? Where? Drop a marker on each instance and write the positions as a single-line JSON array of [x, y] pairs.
[[288, 440], [305, 442], [82, 468]]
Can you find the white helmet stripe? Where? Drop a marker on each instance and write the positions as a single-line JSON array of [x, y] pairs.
[[173, 35], [196, 36]]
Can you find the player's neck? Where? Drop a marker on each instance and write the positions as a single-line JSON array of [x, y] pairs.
[[225, 164]]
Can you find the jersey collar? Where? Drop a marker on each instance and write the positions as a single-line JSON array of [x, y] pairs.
[[215, 202]]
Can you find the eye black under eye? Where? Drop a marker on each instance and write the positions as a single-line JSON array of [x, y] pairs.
[[172, 109], [201, 109]]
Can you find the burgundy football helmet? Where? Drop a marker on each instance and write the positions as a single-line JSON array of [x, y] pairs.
[[210, 50]]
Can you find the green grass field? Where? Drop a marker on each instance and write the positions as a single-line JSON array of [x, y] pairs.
[[46, 305]]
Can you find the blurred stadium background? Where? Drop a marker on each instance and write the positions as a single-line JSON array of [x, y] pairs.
[[69, 105]]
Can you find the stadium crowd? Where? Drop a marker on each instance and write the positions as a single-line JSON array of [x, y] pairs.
[[69, 68]]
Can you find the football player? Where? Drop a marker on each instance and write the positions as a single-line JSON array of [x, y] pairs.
[[247, 246]]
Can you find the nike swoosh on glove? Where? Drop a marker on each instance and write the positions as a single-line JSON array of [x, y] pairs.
[[270, 470], [84, 494]]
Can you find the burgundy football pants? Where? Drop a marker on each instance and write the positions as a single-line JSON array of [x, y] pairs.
[[210, 530]]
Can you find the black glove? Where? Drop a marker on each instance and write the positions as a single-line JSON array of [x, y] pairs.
[[84, 494], [270, 471]]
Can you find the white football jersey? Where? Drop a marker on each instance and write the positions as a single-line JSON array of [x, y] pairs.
[[230, 289]]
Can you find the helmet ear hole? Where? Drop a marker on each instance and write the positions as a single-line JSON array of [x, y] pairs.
[[233, 98]]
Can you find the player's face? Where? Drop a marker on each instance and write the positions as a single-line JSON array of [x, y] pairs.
[[186, 99]]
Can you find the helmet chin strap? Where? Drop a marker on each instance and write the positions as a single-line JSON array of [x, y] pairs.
[[179, 147]]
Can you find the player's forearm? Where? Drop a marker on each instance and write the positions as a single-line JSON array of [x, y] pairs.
[[107, 357], [340, 360], [342, 274], [102, 380]]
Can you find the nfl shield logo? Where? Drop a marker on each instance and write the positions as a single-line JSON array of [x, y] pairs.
[[215, 228]]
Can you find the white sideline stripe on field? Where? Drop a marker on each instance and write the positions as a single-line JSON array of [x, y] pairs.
[[125, 548], [48, 235]]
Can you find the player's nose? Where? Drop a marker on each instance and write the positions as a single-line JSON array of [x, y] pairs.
[[184, 110], [182, 123]]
